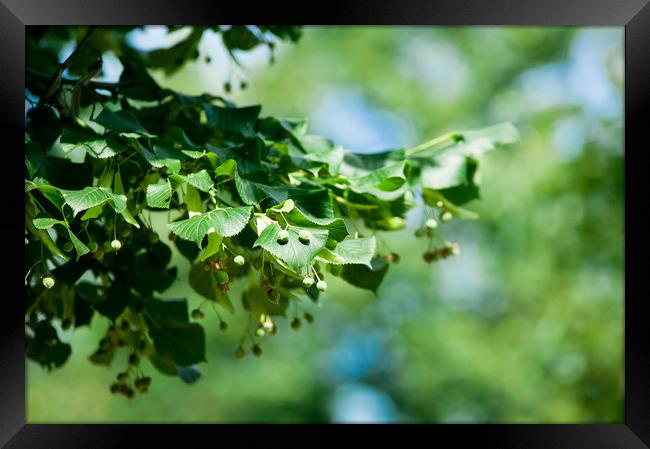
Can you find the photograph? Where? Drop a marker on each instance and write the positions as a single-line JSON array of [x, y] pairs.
[[324, 224]]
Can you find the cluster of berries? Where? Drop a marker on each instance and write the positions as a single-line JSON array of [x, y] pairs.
[[296, 323], [124, 386], [198, 314], [442, 252], [221, 274], [308, 281], [304, 237]]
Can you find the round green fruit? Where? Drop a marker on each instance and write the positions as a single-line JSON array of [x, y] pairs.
[[222, 277], [308, 281], [116, 245], [48, 281], [239, 260], [283, 237], [304, 236], [321, 286]]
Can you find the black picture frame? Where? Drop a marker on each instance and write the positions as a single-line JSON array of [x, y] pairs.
[[634, 15]]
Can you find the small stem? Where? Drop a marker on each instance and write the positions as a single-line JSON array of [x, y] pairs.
[[426, 145], [315, 274], [79, 46], [35, 73]]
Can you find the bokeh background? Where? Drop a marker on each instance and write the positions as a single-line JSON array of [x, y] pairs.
[[526, 325]]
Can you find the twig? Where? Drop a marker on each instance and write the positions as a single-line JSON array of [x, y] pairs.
[[73, 81]]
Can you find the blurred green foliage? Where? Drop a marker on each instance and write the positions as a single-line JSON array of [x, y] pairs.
[[526, 325]]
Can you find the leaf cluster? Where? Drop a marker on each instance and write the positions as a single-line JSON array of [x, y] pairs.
[[248, 197]]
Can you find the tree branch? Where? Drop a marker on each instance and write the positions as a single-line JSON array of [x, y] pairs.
[[35, 73]]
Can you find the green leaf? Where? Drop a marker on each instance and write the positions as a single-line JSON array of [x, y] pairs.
[[47, 222], [350, 251], [79, 246], [89, 197], [94, 144], [182, 342], [228, 169], [159, 195], [93, 212], [240, 121], [213, 246], [45, 347], [368, 278], [296, 217], [477, 142], [121, 122], [193, 200], [163, 157], [432, 197], [118, 296], [294, 253], [119, 189], [171, 59], [168, 309], [226, 222], [201, 180], [50, 192]]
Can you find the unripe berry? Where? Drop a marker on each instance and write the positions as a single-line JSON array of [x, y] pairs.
[[116, 245], [455, 248], [321, 285], [429, 256], [93, 246], [134, 359], [446, 216], [296, 323], [257, 350], [308, 281], [48, 281], [197, 314], [67, 247], [283, 237], [391, 257], [439, 204], [222, 277], [239, 260], [304, 236], [223, 326], [309, 317], [268, 323], [114, 388], [431, 223]]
